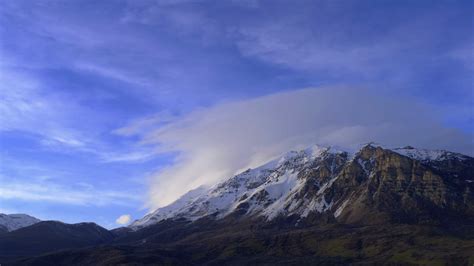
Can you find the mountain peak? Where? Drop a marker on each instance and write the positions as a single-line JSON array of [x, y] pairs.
[[11, 222], [316, 180], [429, 155]]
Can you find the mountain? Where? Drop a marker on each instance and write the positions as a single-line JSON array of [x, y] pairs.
[[413, 185], [48, 236], [262, 190], [10, 222], [321, 205]]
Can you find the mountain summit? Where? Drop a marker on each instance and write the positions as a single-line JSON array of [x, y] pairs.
[[11, 222], [371, 185]]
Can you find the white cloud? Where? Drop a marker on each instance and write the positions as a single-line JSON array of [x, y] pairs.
[[217, 142], [80, 194], [26, 106], [21, 104], [117, 74], [123, 219]]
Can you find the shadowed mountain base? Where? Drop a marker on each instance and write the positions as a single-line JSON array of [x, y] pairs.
[[245, 244]]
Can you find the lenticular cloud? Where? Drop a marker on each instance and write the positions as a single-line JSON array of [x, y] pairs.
[[216, 142]]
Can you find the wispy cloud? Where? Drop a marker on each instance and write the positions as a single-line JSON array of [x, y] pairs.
[[129, 156], [216, 142], [21, 103], [110, 72], [27, 105], [361, 50], [79, 194]]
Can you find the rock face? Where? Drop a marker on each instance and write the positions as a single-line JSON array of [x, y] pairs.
[[11, 222], [381, 185], [370, 186]]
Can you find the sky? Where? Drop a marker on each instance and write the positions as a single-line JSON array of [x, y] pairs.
[[111, 109]]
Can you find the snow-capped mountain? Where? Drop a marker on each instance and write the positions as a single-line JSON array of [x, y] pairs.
[[11, 222], [429, 155], [299, 204], [327, 180], [275, 179]]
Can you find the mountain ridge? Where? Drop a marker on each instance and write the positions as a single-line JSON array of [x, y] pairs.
[[46, 236], [300, 182], [11, 222]]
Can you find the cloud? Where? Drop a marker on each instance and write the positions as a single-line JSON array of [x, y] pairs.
[[27, 105], [123, 219], [217, 142], [80, 194], [315, 49], [21, 102]]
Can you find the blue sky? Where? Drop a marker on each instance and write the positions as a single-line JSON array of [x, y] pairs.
[[95, 94]]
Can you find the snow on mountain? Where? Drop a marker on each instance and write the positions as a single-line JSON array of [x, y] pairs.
[[267, 189], [16, 221], [170, 210], [428, 155], [299, 182]]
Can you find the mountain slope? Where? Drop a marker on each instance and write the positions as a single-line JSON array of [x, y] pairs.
[[48, 236], [264, 190], [10, 222], [406, 184], [221, 242]]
